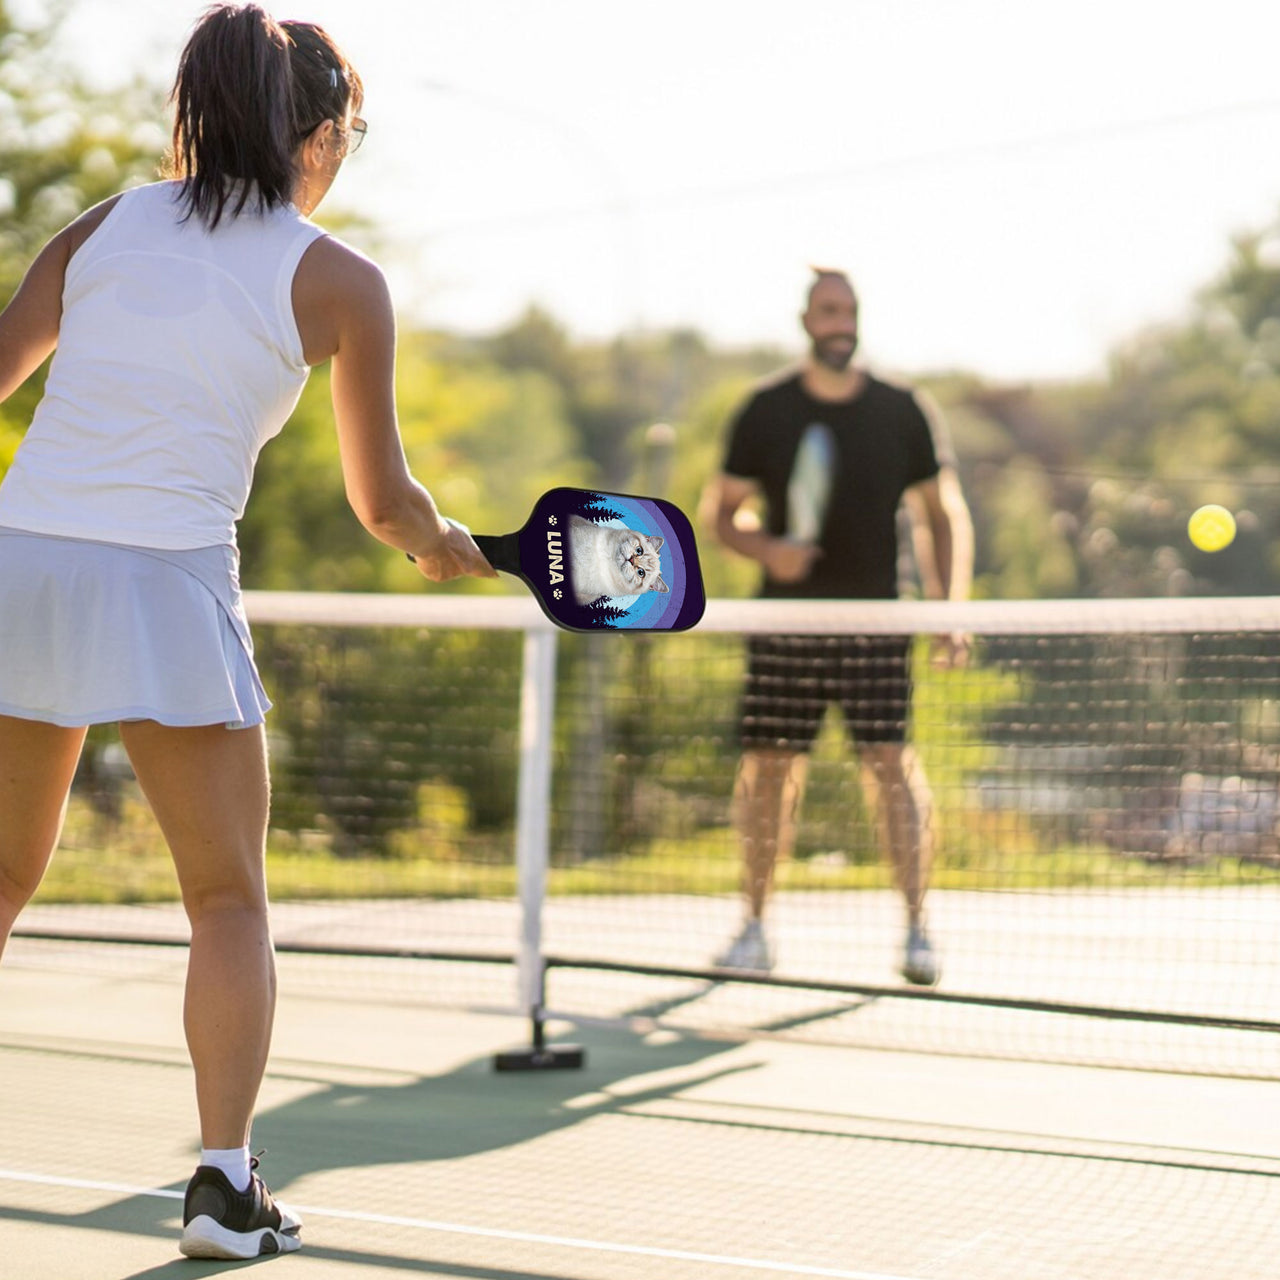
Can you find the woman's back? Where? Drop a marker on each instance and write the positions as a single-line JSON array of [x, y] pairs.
[[178, 358]]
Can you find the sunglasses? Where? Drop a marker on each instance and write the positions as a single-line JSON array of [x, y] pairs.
[[355, 132]]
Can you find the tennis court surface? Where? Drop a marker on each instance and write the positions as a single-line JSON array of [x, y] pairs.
[[481, 827], [670, 1154]]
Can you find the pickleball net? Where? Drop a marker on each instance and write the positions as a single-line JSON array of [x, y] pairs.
[[545, 819]]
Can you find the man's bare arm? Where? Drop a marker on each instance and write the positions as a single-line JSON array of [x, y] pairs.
[[784, 559]]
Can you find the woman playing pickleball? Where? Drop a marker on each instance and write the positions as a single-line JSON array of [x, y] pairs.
[[186, 316]]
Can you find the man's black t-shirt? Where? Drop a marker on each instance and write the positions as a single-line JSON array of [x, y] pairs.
[[884, 445]]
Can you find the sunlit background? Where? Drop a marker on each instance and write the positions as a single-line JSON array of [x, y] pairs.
[[1016, 187], [1063, 219]]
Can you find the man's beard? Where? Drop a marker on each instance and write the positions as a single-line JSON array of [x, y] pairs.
[[835, 353]]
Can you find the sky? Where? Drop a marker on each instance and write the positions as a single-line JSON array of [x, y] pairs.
[[1015, 186]]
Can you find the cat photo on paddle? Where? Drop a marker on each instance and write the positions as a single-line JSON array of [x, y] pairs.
[[607, 560]]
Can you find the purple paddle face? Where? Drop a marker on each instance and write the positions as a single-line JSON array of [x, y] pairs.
[[606, 561]]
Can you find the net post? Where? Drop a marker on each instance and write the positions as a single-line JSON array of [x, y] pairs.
[[533, 829]]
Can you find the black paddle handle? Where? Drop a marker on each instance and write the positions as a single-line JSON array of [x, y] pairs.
[[500, 550]]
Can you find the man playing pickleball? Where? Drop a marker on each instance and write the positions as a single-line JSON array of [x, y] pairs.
[[835, 537]]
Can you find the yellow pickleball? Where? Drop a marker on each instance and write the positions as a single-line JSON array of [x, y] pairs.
[[1211, 527]]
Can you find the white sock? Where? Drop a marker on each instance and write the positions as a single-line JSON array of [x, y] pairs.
[[233, 1161]]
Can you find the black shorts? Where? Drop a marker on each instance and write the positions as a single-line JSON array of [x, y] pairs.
[[792, 679]]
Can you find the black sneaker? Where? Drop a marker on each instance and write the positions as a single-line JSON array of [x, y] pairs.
[[220, 1222]]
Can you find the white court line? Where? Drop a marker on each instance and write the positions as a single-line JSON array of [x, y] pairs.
[[491, 1233]]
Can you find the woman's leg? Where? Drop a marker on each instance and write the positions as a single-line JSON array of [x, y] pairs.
[[37, 763], [209, 790]]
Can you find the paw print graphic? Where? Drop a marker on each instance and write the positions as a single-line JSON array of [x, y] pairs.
[[552, 520], [557, 593]]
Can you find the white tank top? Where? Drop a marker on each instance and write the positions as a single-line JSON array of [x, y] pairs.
[[178, 358]]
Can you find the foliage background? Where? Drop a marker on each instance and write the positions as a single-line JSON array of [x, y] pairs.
[[1078, 489]]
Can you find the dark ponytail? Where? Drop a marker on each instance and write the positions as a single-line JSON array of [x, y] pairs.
[[248, 91]]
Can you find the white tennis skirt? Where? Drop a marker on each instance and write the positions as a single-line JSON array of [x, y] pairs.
[[93, 632]]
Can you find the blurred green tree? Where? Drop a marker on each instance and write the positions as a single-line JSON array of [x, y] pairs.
[[1106, 472], [64, 146]]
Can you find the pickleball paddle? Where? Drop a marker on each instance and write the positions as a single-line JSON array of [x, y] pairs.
[[809, 486], [605, 561]]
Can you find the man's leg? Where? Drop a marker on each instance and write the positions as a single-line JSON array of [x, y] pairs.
[[894, 776], [782, 707], [37, 763], [767, 797], [876, 697]]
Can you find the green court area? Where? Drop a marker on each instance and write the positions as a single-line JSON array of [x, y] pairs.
[[673, 1153]]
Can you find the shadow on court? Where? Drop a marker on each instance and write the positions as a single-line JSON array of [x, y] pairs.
[[473, 1110], [661, 1148], [465, 1112], [189, 1269]]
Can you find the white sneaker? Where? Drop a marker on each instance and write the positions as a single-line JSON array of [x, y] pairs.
[[750, 950], [920, 965]]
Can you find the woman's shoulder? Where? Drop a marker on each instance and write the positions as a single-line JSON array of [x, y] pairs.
[[338, 290], [79, 230], [76, 233], [331, 264]]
